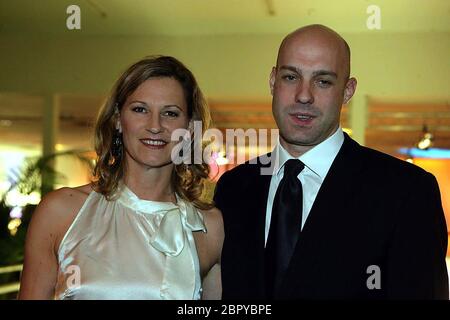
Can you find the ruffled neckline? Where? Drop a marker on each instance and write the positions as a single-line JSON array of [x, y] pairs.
[[169, 235], [129, 199]]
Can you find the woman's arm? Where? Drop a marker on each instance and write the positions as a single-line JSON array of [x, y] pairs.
[[212, 284], [49, 222]]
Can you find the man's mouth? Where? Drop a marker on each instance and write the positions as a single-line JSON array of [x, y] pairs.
[[302, 118]]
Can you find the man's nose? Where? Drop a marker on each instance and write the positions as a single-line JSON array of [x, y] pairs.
[[304, 94]]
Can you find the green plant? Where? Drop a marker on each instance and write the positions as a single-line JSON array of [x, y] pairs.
[[37, 174]]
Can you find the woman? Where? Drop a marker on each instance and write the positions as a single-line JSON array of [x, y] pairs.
[[141, 230]]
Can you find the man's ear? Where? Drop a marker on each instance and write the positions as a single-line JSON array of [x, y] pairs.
[[350, 88], [273, 74]]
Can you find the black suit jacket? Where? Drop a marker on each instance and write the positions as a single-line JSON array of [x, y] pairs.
[[371, 210]]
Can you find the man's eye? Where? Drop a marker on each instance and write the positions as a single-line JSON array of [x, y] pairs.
[[139, 109], [324, 83], [289, 77]]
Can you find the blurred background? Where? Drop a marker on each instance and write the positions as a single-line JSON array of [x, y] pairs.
[[59, 61]]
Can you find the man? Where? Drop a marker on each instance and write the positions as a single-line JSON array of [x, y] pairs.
[[334, 219]]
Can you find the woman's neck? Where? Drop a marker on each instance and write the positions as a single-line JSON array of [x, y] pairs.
[[150, 183]]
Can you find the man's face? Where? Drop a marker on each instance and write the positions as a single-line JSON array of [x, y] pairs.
[[309, 86]]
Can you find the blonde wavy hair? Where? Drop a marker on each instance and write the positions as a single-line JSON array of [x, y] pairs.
[[188, 181]]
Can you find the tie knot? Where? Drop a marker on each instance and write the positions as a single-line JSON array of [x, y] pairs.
[[293, 167]]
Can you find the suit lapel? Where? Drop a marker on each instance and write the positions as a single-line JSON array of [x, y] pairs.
[[337, 186], [261, 195], [334, 194], [256, 219]]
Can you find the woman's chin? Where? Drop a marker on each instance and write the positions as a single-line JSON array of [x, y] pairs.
[[158, 163]]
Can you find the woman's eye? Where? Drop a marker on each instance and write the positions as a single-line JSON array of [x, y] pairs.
[[170, 114], [139, 109]]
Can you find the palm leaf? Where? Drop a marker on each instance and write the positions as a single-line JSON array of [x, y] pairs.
[[38, 173]]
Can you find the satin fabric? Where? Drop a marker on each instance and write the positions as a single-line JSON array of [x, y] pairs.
[[130, 248]]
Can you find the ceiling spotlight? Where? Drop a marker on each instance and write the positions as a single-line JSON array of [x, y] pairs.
[[427, 139]]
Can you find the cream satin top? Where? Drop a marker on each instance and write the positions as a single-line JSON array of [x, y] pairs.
[[130, 248]]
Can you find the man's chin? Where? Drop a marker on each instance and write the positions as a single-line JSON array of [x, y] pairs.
[[300, 140]]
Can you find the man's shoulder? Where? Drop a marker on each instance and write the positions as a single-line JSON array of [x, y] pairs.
[[248, 169], [385, 164]]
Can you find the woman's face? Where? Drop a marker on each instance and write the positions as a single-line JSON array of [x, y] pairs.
[[148, 118]]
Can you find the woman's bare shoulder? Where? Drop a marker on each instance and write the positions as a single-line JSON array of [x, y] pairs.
[[66, 197], [212, 217], [85, 189], [57, 210], [212, 240], [214, 223]]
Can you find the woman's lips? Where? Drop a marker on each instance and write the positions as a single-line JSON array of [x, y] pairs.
[[154, 143]]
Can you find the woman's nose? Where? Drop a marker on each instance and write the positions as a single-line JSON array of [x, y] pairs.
[[155, 123]]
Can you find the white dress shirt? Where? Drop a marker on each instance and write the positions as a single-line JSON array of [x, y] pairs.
[[317, 162]]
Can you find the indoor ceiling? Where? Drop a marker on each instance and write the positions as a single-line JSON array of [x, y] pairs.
[[195, 17], [21, 114]]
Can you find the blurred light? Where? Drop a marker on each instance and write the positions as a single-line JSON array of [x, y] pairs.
[[4, 186], [15, 199], [219, 158], [11, 161], [426, 142], [13, 225], [432, 153], [427, 139], [5, 123], [348, 131], [16, 212], [34, 198], [410, 160]]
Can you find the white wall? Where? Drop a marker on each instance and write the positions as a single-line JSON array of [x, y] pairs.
[[228, 67]]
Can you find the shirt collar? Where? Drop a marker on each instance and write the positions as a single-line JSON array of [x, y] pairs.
[[318, 159]]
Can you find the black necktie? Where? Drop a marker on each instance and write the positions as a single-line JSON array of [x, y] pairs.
[[285, 226]]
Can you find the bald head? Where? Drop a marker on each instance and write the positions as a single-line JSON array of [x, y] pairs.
[[309, 85], [320, 36]]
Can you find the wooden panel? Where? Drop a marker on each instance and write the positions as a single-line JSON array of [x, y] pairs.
[[400, 125]]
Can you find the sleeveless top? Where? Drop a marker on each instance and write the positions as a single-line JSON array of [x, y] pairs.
[[130, 248]]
